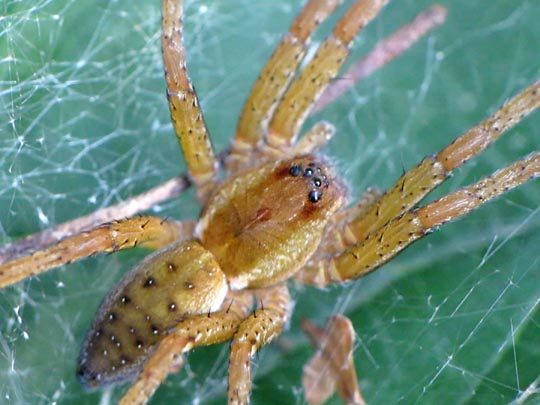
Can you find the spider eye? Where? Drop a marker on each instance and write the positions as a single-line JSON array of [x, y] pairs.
[[295, 170], [315, 195], [308, 172]]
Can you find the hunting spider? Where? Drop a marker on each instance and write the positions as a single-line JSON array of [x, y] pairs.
[[280, 214]]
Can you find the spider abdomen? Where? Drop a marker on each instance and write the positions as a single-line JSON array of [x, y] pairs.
[[174, 283]]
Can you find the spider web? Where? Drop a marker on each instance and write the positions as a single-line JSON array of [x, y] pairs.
[[86, 125]]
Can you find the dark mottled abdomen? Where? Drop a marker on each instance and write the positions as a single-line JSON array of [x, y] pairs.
[[169, 285]]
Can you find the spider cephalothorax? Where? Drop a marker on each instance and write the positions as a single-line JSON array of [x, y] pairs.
[[295, 200]]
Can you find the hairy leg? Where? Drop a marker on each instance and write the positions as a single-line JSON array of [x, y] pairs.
[[274, 80], [200, 330], [254, 332], [380, 246], [295, 105], [415, 184], [145, 231], [186, 114]]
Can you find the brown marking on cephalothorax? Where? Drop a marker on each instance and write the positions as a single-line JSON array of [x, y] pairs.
[[263, 214], [269, 218]]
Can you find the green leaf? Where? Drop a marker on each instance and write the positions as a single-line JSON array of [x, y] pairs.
[[453, 319]]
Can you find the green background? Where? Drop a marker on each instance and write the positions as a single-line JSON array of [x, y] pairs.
[[85, 124]]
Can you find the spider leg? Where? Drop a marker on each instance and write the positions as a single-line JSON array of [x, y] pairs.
[[294, 107], [124, 209], [414, 185], [200, 330], [346, 230], [274, 80], [186, 114], [332, 367], [145, 231], [254, 332], [385, 243], [383, 52], [315, 138]]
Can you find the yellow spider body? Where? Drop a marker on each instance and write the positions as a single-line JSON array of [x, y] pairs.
[[257, 230], [264, 224], [280, 214]]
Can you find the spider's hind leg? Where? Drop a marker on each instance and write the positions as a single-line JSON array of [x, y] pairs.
[[144, 231], [199, 330], [254, 332]]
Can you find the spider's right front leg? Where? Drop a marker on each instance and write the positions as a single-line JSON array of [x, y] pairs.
[[381, 246]]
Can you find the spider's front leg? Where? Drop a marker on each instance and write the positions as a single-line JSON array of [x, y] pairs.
[[273, 80], [186, 114], [296, 103]]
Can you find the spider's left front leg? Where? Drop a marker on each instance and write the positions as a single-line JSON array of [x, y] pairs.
[[254, 332]]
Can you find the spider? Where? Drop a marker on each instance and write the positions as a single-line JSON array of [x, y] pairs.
[[262, 214]]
